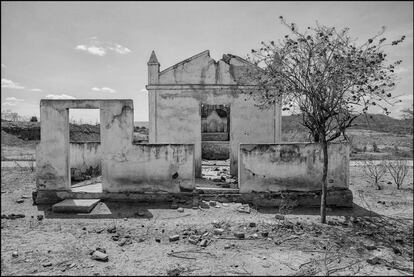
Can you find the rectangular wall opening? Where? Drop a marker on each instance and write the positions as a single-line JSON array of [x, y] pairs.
[[85, 161], [215, 147]]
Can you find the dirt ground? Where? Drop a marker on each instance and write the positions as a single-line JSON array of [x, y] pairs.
[[374, 238]]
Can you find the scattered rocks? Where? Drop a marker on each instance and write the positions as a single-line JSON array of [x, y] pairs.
[[115, 237], [239, 235], [204, 205], [84, 228], [99, 230], [19, 201], [227, 246], [255, 236], [396, 250], [39, 217], [218, 231], [122, 242], [244, 209], [99, 256], [174, 238], [373, 260], [46, 264], [279, 217], [15, 254], [158, 240], [111, 229], [212, 203], [180, 210], [370, 247], [141, 239], [101, 249], [12, 216], [176, 271], [193, 239], [252, 224], [24, 197], [265, 234], [204, 243]]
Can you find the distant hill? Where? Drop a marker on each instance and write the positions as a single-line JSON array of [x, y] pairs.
[[373, 122]]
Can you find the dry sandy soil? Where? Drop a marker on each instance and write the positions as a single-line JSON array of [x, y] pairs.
[[374, 238]]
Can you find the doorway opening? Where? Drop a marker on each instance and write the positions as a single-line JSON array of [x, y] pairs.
[[215, 147], [85, 150]]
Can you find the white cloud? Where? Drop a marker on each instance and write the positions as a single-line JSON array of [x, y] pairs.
[[104, 89], [95, 47], [14, 99], [5, 83], [36, 89], [59, 96], [9, 104], [120, 49], [94, 50]]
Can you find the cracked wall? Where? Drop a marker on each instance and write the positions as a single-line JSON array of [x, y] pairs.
[[291, 167], [125, 167]]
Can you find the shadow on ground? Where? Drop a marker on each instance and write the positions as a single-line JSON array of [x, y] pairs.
[[112, 209]]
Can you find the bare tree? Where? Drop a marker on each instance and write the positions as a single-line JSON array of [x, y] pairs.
[[398, 170], [375, 171], [324, 74]]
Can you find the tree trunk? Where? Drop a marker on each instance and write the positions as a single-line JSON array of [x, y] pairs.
[[324, 144]]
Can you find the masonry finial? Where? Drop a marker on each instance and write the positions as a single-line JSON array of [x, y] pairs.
[[153, 59]]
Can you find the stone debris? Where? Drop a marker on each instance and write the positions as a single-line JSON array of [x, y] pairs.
[[15, 254], [176, 271], [99, 256], [204, 205], [46, 264], [280, 217], [255, 236], [252, 224], [158, 240], [39, 217], [115, 237], [265, 234], [180, 210], [212, 203], [193, 239], [244, 209], [373, 260], [204, 243], [370, 247], [99, 230], [174, 238], [239, 235], [24, 197], [12, 216], [111, 229], [100, 249], [19, 201], [225, 204], [227, 246], [218, 231]]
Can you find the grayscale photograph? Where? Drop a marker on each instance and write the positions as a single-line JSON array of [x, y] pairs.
[[222, 138]]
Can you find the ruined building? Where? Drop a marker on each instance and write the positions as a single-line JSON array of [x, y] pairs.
[[207, 103]]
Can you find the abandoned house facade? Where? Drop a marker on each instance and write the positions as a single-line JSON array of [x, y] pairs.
[[207, 103]]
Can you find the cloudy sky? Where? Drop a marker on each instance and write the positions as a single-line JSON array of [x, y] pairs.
[[100, 49]]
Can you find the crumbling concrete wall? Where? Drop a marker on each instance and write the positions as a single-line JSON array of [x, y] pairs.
[[85, 159], [291, 167], [125, 167], [177, 93]]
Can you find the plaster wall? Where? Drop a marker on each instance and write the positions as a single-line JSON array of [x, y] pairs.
[[84, 155], [125, 166], [291, 167], [178, 120]]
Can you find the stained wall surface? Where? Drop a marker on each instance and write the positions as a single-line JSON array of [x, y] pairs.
[[125, 166], [291, 167], [177, 93], [84, 156]]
